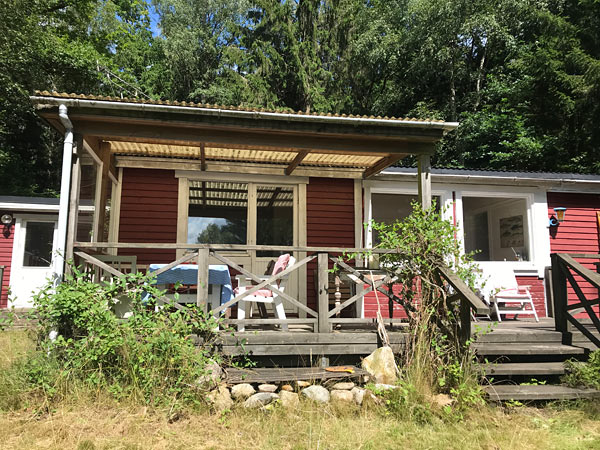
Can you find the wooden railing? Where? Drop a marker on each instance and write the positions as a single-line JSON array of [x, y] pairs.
[[564, 269], [323, 319]]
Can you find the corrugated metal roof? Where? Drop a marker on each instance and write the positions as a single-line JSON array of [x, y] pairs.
[[244, 155], [222, 107]]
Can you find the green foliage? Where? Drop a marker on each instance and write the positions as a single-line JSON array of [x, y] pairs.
[[523, 77], [148, 358], [435, 360], [584, 374]]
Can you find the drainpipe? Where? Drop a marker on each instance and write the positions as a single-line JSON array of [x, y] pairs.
[[65, 188]]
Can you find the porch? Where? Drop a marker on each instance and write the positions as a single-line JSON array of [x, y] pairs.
[[340, 287]]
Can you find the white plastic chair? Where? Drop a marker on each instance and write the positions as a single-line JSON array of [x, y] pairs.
[[264, 295], [502, 288]]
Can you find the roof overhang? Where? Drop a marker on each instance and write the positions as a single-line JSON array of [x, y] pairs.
[[209, 134], [561, 182]]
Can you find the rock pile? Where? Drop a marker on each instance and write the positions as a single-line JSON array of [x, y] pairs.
[[380, 365]]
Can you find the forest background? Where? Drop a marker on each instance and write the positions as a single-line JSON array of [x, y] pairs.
[[522, 76]]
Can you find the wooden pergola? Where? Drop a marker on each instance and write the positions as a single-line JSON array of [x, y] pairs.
[[208, 138]]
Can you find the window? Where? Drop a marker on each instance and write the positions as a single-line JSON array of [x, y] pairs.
[[274, 217], [38, 244], [240, 213], [218, 213], [389, 208], [496, 228]]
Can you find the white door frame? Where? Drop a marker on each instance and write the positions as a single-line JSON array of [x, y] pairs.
[[19, 250]]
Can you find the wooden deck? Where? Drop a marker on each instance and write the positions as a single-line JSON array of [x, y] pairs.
[[522, 337]]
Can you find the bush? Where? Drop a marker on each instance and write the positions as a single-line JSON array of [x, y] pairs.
[[584, 374], [435, 361], [81, 343]]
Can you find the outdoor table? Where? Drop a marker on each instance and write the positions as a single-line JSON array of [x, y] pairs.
[[218, 278]]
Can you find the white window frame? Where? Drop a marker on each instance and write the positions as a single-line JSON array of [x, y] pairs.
[[397, 188], [299, 200], [536, 207]]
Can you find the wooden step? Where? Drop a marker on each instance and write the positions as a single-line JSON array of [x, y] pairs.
[[505, 392], [524, 369], [494, 349]]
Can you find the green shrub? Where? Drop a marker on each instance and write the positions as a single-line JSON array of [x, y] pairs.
[[584, 374], [435, 361], [82, 344]]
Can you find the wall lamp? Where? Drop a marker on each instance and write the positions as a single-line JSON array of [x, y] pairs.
[[7, 221], [558, 217]]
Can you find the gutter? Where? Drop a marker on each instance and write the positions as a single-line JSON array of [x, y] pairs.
[[492, 178], [219, 112], [65, 188]]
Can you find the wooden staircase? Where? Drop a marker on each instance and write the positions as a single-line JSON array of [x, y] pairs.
[[525, 363]]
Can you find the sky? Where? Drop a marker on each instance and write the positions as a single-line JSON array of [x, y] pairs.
[[154, 21], [197, 225]]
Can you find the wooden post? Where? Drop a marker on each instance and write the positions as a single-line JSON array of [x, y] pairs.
[[202, 292], [102, 193], [559, 288], [424, 180], [183, 198], [74, 197], [323, 292], [465, 321]]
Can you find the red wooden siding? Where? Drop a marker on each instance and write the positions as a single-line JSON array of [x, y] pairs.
[[329, 220], [6, 247], [578, 233], [149, 212]]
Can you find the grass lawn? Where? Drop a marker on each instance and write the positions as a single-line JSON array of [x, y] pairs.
[[103, 424]]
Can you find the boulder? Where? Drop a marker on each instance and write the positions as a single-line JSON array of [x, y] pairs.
[[261, 399], [316, 393], [385, 387], [287, 387], [342, 396], [267, 388], [442, 400], [358, 395], [242, 391], [213, 374], [345, 386], [302, 384], [289, 399], [381, 366], [220, 398]]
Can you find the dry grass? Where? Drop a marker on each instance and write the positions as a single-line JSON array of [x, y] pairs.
[[112, 427], [103, 424]]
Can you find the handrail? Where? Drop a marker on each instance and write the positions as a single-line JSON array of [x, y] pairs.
[[230, 247], [465, 291], [564, 266], [468, 301]]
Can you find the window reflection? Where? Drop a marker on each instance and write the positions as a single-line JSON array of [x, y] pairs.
[[38, 244], [275, 217], [217, 213]]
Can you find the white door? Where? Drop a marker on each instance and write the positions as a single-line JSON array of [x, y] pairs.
[[33, 250]]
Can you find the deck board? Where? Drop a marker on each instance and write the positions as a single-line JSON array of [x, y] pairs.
[[278, 375]]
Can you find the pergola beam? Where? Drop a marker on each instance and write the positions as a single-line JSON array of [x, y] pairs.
[[202, 157], [296, 162], [382, 164]]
